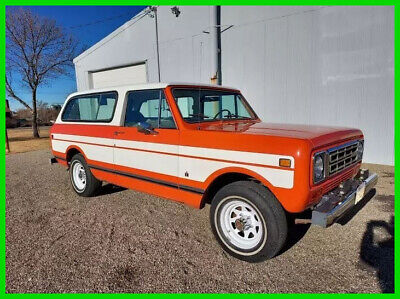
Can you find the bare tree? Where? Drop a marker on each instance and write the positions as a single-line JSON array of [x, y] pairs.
[[37, 51]]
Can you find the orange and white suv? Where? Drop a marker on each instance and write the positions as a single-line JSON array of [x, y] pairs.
[[200, 144]]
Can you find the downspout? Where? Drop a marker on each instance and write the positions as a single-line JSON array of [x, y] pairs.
[[219, 71], [215, 34]]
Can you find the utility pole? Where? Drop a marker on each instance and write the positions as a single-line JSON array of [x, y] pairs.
[[8, 113], [215, 32], [7, 143], [154, 10]]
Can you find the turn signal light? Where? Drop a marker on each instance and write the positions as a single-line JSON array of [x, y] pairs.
[[284, 162]]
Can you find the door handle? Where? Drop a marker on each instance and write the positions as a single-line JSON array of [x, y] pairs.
[[118, 132]]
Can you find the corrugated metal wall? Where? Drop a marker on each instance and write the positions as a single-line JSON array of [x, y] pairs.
[[317, 65], [313, 65]]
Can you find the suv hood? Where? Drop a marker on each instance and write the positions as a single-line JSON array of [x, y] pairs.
[[317, 135]]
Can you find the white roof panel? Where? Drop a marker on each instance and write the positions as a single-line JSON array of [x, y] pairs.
[[147, 86]]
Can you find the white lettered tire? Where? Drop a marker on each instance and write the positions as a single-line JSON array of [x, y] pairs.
[[82, 179], [248, 221]]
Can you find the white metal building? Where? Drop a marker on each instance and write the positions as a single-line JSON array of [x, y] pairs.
[[294, 64]]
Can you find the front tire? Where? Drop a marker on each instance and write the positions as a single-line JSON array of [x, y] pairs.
[[82, 179], [248, 221]]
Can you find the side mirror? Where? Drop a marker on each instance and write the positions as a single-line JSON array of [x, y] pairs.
[[146, 128]]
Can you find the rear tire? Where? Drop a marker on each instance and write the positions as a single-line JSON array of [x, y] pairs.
[[82, 179], [248, 221]]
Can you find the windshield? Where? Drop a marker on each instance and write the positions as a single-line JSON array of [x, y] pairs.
[[201, 105]]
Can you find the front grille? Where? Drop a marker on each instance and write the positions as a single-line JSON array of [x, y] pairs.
[[341, 157]]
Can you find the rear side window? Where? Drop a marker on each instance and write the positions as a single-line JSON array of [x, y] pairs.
[[91, 108]]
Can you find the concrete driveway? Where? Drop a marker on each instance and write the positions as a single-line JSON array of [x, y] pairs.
[[126, 241]]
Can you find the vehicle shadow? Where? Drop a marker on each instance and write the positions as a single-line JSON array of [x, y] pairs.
[[296, 231], [378, 255], [110, 189], [353, 211]]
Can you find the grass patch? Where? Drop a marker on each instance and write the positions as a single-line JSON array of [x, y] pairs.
[[21, 140]]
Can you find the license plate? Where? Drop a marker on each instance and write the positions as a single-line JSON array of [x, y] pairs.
[[360, 192]]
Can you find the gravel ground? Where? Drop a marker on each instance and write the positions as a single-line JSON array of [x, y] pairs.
[[126, 241]]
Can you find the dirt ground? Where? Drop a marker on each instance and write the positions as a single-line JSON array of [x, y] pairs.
[[126, 241], [21, 140]]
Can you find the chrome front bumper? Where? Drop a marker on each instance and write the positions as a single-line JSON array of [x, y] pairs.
[[338, 202]]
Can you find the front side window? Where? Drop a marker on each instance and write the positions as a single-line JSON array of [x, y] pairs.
[[200, 105], [185, 105], [148, 106], [91, 108]]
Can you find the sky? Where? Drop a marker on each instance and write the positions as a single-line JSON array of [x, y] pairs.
[[88, 24]]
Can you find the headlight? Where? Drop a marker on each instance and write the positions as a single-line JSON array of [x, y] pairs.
[[360, 150], [319, 167]]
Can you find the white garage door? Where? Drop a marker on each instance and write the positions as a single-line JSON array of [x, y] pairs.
[[135, 74]]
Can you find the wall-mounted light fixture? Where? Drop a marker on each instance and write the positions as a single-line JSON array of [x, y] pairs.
[[175, 10]]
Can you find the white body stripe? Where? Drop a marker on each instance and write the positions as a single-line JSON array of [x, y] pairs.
[[166, 160], [155, 162], [88, 139], [92, 152], [149, 146], [200, 170], [238, 156]]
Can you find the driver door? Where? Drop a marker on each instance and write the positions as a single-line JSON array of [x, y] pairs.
[[147, 143]]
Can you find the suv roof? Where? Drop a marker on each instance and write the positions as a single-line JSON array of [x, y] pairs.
[[148, 86]]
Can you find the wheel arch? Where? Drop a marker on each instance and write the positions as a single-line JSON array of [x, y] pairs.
[[71, 151], [225, 176]]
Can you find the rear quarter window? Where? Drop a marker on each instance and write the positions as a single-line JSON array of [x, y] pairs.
[[99, 107]]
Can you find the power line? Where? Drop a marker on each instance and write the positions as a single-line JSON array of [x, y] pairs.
[[136, 19], [105, 20]]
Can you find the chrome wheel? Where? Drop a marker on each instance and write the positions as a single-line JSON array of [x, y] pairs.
[[241, 225], [78, 176]]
